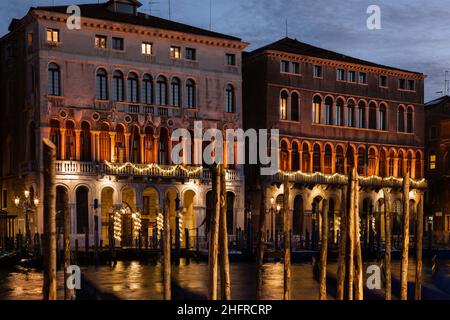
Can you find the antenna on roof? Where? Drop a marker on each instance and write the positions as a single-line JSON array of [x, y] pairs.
[[149, 10], [210, 15], [170, 14], [447, 83], [287, 33]]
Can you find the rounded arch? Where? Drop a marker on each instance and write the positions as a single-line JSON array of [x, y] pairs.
[[317, 157], [298, 216], [82, 193]]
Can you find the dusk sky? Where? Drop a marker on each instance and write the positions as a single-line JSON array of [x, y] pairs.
[[415, 34]]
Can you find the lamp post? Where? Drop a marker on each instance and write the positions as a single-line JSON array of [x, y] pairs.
[[27, 205], [272, 202], [276, 230], [313, 226]]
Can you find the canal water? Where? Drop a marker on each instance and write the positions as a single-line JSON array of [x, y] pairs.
[[135, 280]]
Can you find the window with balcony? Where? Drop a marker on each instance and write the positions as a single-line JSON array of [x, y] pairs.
[[175, 92], [118, 86], [340, 74], [147, 89], [318, 72], [132, 88], [54, 80], [363, 78], [283, 105], [383, 81], [230, 99], [101, 85], [190, 94], [351, 76]]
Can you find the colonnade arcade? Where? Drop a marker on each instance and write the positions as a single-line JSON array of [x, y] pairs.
[[334, 157]]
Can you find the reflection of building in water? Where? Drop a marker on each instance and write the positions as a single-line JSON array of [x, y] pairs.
[[109, 96], [334, 112]]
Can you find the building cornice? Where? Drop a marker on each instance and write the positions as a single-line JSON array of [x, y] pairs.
[[143, 30]]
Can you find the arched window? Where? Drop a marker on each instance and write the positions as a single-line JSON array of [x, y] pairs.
[[339, 112], [351, 113], [361, 115], [148, 145], [190, 94], [361, 161], [316, 158], [54, 80], [401, 119], [135, 145], [391, 163], [295, 157], [328, 110], [82, 200], [340, 165], [328, 160], [175, 92], [372, 166], [410, 120], [101, 85], [119, 147], [32, 141], [409, 159], [118, 86], [316, 114], [132, 88], [161, 91], [283, 105], [418, 165], [372, 115], [295, 111], [350, 157], [382, 170], [306, 159], [401, 168], [55, 137], [164, 146], [230, 99], [383, 117], [105, 143], [284, 156], [147, 89], [85, 142], [70, 152]]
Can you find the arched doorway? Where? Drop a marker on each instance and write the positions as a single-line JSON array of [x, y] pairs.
[[188, 215], [62, 202], [82, 207], [107, 207]]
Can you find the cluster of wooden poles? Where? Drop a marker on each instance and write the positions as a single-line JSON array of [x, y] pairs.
[[350, 265]]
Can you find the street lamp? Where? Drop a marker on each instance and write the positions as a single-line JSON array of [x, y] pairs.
[[276, 231], [272, 202], [27, 205]]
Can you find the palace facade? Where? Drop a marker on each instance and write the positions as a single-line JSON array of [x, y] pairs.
[[437, 148], [109, 96], [334, 112]]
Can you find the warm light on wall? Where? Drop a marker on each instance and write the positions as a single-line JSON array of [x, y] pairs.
[[149, 167]]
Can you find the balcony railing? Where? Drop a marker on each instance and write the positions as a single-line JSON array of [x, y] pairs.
[[138, 170], [337, 180]]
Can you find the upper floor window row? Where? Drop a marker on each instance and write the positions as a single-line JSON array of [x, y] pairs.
[[407, 84], [290, 67], [351, 76]]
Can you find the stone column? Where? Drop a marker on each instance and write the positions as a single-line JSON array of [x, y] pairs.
[[77, 145], [311, 161], [396, 173], [300, 165], [142, 148], [155, 148], [322, 161], [127, 146], [333, 162], [63, 144], [97, 143], [289, 160], [413, 168], [94, 153], [112, 138]]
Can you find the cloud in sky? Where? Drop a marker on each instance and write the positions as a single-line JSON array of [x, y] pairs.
[[414, 33]]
